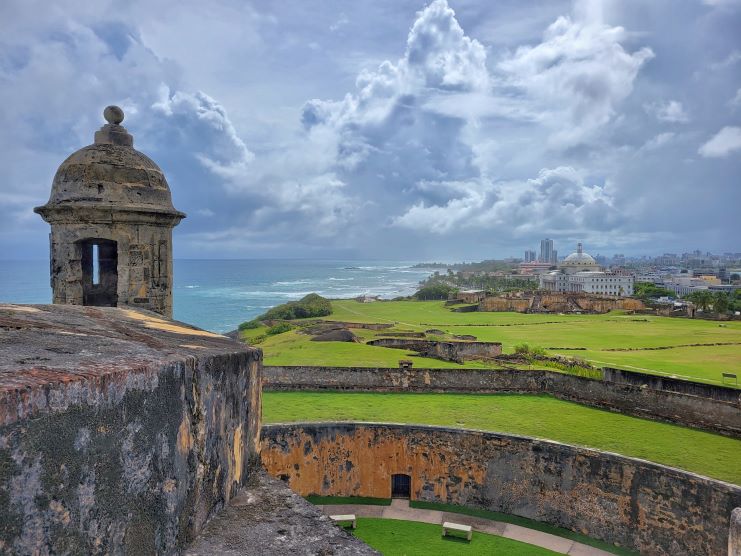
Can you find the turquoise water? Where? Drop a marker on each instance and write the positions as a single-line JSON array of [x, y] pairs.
[[219, 294]]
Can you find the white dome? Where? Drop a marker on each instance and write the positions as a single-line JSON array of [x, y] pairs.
[[579, 261], [580, 258]]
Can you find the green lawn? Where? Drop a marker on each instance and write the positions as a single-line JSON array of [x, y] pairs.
[[598, 334], [524, 522], [539, 416], [393, 537]]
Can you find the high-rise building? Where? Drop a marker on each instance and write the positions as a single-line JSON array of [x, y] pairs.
[[554, 257], [529, 256], [546, 251]]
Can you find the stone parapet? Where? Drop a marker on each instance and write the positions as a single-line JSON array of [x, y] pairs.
[[120, 431]]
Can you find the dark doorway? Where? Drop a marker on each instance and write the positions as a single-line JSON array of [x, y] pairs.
[[401, 486], [99, 272]]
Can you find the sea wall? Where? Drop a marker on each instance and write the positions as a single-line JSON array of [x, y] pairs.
[[647, 507], [446, 350], [120, 432], [633, 399]]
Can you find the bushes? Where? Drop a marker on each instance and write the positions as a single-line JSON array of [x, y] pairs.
[[279, 328], [312, 305], [250, 325], [435, 291], [527, 350]]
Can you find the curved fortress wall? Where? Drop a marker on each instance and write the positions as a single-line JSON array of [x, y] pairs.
[[647, 507], [704, 406]]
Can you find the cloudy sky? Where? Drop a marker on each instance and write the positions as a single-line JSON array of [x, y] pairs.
[[464, 129]]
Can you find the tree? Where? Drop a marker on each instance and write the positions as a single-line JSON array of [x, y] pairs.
[[702, 298], [721, 302], [648, 290], [735, 277]]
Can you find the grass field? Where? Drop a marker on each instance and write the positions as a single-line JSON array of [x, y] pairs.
[[539, 416], [393, 537], [524, 522], [598, 335]]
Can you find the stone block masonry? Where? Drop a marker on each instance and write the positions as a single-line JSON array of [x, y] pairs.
[[646, 507], [120, 431], [633, 399]]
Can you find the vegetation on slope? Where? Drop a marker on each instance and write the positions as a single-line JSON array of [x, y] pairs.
[[309, 306], [540, 416]]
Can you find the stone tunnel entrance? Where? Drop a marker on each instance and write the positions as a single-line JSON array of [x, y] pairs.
[[99, 272], [401, 486]]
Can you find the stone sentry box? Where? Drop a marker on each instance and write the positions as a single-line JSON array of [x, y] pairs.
[[644, 506], [111, 217]]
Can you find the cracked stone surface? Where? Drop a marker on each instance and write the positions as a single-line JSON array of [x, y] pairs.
[[267, 518]]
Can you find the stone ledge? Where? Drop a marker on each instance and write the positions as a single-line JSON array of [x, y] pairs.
[[267, 518], [52, 356]]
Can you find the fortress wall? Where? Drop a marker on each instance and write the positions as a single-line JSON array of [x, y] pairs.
[[669, 384], [556, 302], [119, 434], [647, 507], [633, 399], [447, 350]]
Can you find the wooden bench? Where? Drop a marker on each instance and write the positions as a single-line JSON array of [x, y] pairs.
[[448, 526], [345, 517], [730, 377]]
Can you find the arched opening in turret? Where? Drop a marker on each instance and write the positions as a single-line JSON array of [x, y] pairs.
[[99, 272]]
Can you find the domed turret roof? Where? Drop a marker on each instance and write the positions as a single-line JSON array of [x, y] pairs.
[[111, 174]]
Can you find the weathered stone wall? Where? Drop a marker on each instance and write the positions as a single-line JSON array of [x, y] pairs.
[[734, 533], [647, 507], [516, 304], [120, 432], [668, 384], [642, 401], [446, 350], [554, 302]]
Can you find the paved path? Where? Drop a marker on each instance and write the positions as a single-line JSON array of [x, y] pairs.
[[399, 509]]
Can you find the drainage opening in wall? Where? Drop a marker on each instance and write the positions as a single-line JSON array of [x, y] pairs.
[[401, 486]]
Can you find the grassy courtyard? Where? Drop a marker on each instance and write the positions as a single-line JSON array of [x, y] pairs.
[[614, 339], [393, 537], [539, 416]]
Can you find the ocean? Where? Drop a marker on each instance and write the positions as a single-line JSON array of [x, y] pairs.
[[219, 294]]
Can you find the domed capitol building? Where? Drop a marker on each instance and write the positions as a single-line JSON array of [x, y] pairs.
[[579, 261], [580, 273]]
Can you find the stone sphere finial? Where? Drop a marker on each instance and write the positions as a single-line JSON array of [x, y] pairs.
[[113, 115]]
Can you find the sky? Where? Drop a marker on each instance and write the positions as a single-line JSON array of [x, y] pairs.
[[389, 129]]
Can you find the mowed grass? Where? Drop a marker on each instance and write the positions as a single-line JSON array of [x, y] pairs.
[[539, 416], [597, 334], [393, 537]]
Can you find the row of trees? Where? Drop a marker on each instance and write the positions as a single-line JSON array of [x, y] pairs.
[[719, 302]]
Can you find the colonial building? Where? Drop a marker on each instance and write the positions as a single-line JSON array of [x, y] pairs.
[[579, 272]]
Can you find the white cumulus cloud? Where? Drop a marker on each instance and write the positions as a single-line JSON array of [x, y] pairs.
[[723, 143], [670, 111]]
